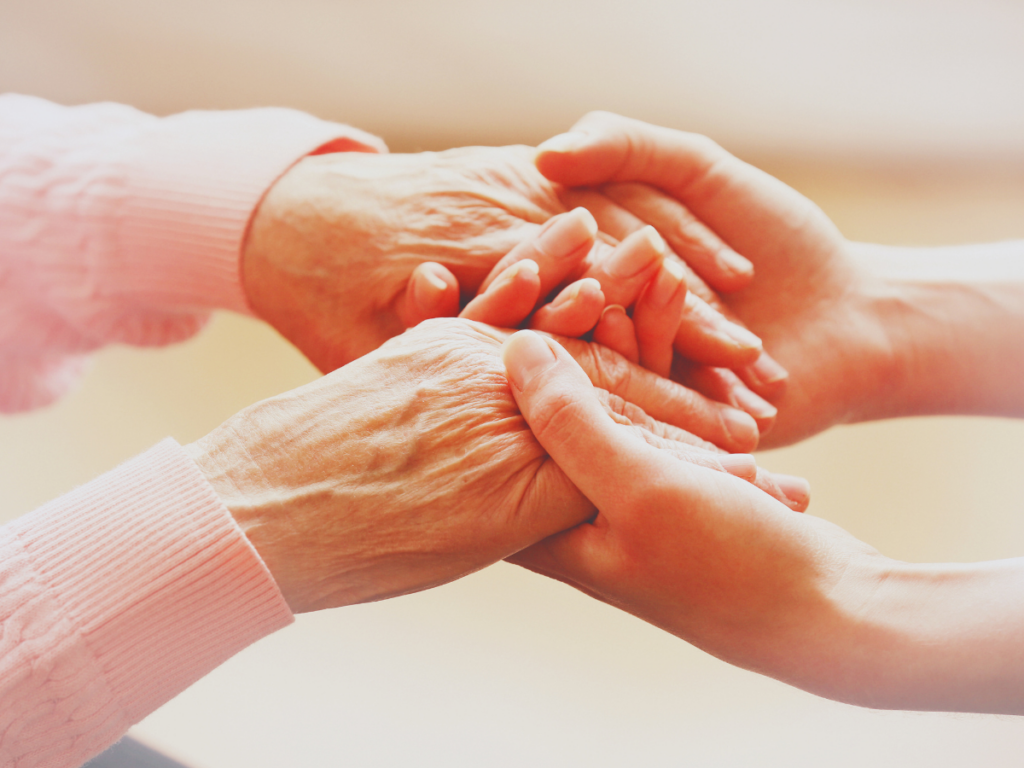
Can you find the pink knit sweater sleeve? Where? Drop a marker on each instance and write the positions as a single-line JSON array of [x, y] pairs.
[[116, 597], [117, 226]]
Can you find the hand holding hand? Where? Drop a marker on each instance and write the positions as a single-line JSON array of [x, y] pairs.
[[808, 299], [701, 554], [410, 466], [726, 567], [334, 243]]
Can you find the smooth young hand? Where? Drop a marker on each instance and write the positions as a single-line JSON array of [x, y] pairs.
[[808, 299], [726, 567]]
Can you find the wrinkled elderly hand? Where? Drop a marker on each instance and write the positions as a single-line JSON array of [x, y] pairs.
[[348, 250], [411, 466], [808, 300], [335, 242]]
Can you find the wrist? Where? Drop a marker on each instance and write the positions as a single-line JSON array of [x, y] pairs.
[[939, 637], [883, 346], [239, 467], [954, 327], [310, 240], [849, 346]]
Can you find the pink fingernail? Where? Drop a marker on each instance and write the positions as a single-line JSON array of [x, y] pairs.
[[568, 234], [564, 142], [526, 355], [742, 336], [513, 272], [796, 489], [740, 426], [665, 284], [735, 263], [572, 292], [738, 464], [613, 307], [429, 289], [754, 404], [626, 262], [765, 370]]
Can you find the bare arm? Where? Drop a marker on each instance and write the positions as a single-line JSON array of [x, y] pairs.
[[865, 332], [722, 565]]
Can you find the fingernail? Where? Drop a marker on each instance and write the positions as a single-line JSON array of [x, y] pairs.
[[656, 240], [765, 370], [796, 489], [573, 291], [526, 265], [564, 142], [526, 355], [587, 218], [512, 273], [742, 336], [735, 263], [568, 234], [613, 308], [739, 464], [740, 426], [428, 289], [665, 284], [754, 404], [629, 260]]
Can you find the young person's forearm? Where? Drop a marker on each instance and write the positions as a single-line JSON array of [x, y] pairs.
[[943, 637], [955, 319]]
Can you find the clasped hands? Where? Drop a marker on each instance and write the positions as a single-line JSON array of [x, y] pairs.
[[600, 461]]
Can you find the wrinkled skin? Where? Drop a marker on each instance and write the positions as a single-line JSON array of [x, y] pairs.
[[409, 467], [333, 244]]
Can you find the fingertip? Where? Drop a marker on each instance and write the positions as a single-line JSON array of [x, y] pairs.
[[526, 265], [743, 338], [567, 235], [563, 143], [656, 241], [737, 269], [726, 271], [433, 291], [765, 377], [797, 490], [741, 465], [764, 413], [616, 331], [508, 300], [766, 371], [526, 356], [573, 312], [554, 157], [585, 218], [741, 428]]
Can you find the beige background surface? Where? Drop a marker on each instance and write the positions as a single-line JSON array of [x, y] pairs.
[[904, 120]]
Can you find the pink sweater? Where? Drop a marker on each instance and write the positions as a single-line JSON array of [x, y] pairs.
[[116, 226]]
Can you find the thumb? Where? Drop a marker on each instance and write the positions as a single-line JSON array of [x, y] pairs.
[[562, 409], [604, 147], [432, 291]]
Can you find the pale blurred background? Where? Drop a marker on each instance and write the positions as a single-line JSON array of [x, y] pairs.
[[904, 119]]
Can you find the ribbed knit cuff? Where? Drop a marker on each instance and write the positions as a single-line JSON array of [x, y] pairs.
[[195, 179], [156, 576]]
